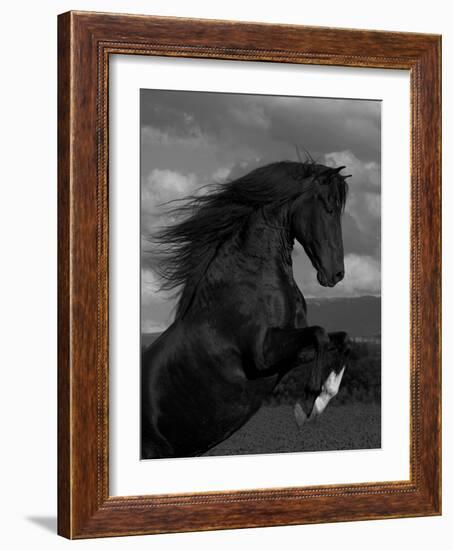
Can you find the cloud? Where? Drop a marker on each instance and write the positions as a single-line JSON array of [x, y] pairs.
[[221, 174], [320, 124], [251, 115], [152, 135], [157, 307], [360, 241], [268, 125], [160, 187], [213, 117], [365, 174], [362, 275], [165, 185]]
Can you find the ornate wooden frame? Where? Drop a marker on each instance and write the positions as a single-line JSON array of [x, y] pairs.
[[85, 42]]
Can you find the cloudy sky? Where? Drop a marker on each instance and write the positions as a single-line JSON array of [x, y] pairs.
[[190, 139]]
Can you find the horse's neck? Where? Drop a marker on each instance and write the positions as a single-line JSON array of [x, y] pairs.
[[264, 243], [266, 238]]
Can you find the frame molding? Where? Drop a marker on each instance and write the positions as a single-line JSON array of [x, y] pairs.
[[85, 42]]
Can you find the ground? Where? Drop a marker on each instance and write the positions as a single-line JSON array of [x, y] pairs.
[[273, 429]]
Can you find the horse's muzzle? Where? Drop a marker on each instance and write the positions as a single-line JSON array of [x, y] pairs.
[[323, 280]]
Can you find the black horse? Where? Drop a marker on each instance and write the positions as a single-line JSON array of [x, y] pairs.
[[241, 320]]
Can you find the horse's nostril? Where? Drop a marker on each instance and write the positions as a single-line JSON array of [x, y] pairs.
[[340, 275]]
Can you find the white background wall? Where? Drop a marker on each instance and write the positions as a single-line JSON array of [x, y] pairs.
[[28, 125]]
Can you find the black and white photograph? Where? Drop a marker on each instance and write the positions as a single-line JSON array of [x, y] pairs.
[[260, 274]]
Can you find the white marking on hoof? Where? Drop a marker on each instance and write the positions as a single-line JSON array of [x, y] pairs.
[[320, 404], [332, 384], [329, 389], [299, 415]]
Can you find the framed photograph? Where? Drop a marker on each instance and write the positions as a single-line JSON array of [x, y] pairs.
[[249, 275]]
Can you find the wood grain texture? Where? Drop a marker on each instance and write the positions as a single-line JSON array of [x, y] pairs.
[[64, 369], [86, 40]]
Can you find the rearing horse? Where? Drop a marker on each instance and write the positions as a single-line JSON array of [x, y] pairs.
[[241, 320]]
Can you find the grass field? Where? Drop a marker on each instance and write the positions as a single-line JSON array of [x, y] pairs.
[[274, 430]]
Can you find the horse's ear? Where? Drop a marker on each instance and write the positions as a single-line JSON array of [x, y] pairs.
[[331, 171], [328, 171], [337, 170]]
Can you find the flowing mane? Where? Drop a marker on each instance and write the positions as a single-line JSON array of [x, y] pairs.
[[182, 252]]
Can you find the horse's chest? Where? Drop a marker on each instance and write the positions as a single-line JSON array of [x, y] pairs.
[[284, 306]]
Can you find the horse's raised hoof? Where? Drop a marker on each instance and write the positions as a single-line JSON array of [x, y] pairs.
[[329, 389], [299, 415]]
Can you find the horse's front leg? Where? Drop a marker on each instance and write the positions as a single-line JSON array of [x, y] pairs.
[[286, 348], [283, 349], [340, 344]]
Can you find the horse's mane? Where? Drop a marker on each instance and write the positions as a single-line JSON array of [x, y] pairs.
[[182, 252]]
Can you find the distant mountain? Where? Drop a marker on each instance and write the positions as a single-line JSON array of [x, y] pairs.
[[357, 316]]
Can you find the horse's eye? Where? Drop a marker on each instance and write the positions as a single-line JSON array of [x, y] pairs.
[[326, 205]]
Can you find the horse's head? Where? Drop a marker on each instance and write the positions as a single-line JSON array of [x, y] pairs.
[[316, 221]]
